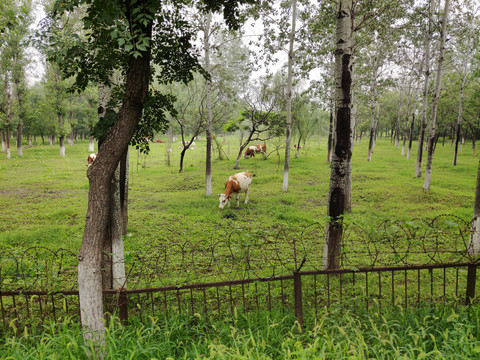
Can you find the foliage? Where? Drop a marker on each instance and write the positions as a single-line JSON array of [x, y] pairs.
[[427, 332]]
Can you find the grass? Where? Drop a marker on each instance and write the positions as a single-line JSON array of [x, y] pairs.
[[44, 194], [43, 202], [43, 197], [424, 333]]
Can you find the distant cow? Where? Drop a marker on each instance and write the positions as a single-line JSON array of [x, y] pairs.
[[91, 158], [254, 149], [235, 184]]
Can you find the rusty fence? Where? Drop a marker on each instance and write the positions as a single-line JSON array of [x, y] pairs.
[[391, 264]]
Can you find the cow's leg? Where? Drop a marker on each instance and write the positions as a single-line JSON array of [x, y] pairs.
[[246, 194], [238, 199]]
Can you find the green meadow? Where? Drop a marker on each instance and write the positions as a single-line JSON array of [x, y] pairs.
[[43, 197], [43, 202]]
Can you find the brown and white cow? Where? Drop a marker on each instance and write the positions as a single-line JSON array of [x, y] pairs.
[[91, 158], [255, 149], [235, 184]]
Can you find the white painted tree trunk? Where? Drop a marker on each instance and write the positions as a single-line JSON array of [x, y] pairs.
[[91, 144], [4, 144], [286, 168], [119, 279], [433, 118]]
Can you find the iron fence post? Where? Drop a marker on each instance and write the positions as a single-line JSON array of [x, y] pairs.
[[123, 306], [297, 289], [471, 279]]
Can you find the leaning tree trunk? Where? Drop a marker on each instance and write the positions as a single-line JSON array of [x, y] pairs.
[[421, 138], [342, 154], [100, 174], [433, 118], [208, 98], [286, 167]]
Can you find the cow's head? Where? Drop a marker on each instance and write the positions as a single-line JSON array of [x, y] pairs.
[[224, 200], [91, 158]]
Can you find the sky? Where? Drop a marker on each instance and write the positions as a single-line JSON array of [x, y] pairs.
[[37, 66]]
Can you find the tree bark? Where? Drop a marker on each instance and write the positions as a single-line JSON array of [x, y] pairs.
[[348, 186], [433, 118], [286, 167], [342, 154], [100, 174]]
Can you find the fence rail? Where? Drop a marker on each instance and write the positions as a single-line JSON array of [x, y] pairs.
[[301, 293]]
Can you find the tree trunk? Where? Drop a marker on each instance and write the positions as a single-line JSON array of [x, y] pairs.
[[182, 155], [421, 139], [330, 137], [459, 118], [91, 144], [397, 127], [208, 98], [289, 98], [4, 143], [342, 152], [100, 174], [405, 129], [348, 186], [433, 118], [474, 243], [124, 174], [332, 112], [8, 141], [373, 105], [61, 137], [410, 136], [19, 139]]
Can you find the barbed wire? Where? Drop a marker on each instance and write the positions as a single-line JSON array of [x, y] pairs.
[[244, 254]]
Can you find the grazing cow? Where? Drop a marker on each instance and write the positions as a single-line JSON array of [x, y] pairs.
[[295, 146], [235, 184], [91, 158], [252, 150]]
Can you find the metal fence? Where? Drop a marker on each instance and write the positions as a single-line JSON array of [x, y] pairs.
[[392, 263]]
